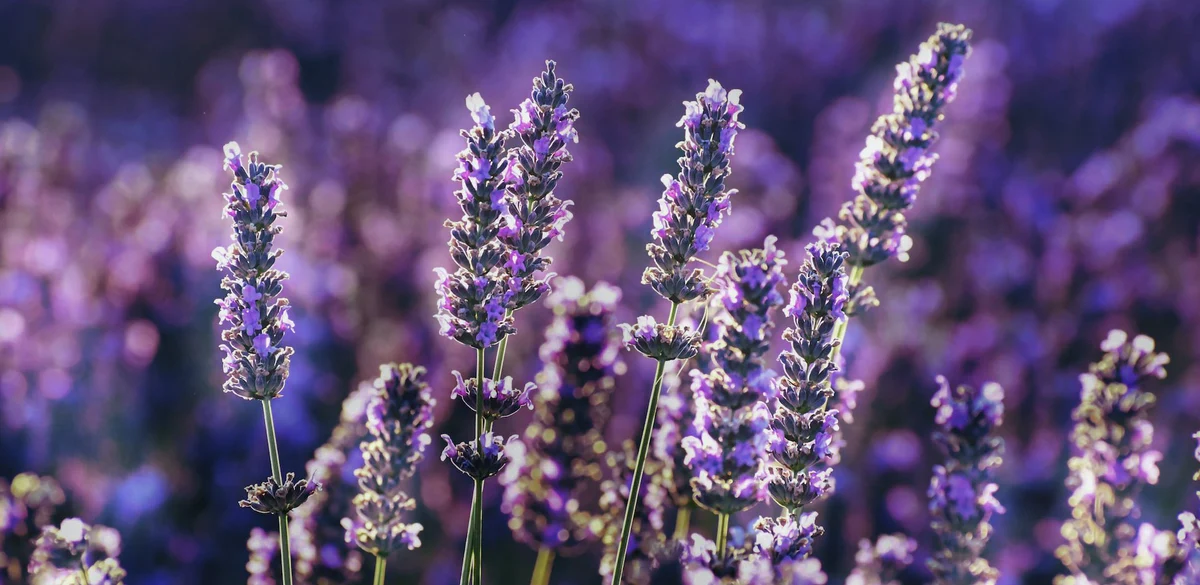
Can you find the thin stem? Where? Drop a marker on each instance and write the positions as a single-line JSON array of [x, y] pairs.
[[83, 570], [541, 571], [479, 376], [500, 351], [722, 533], [839, 330], [380, 569], [635, 487], [479, 533], [683, 520], [285, 553], [469, 548]]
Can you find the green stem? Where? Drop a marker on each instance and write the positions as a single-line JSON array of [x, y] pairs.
[[839, 330], [380, 569], [683, 520], [468, 565], [479, 533], [635, 487], [722, 533], [83, 570], [500, 351], [541, 571], [285, 553], [479, 376]]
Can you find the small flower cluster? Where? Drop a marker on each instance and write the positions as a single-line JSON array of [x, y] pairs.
[[704, 563], [804, 427], [961, 493], [535, 216], [479, 459], [256, 362], [486, 456], [695, 201], [278, 498], [647, 544], [728, 453], [473, 299], [1112, 461], [263, 554], [398, 414], [76, 553], [881, 562], [543, 486], [896, 159], [27, 503]]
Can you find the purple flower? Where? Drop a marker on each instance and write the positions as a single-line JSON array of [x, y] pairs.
[[499, 400], [788, 537], [896, 158], [399, 412], [256, 362], [275, 498], [880, 563], [481, 458], [961, 493], [480, 112], [660, 341]]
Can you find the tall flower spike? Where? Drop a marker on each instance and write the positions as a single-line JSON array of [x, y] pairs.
[[882, 561], [255, 316], [896, 159], [962, 492], [1111, 462], [695, 200], [473, 298], [399, 413], [728, 454], [544, 485], [534, 216], [804, 427]]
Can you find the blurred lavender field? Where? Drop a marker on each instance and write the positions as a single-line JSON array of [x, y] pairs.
[[1066, 203]]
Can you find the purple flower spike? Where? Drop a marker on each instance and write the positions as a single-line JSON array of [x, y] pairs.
[[545, 484], [533, 214], [961, 493], [256, 361], [896, 158], [696, 200], [500, 399], [1110, 464], [398, 414], [473, 297]]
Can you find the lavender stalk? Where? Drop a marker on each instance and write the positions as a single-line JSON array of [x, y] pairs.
[[256, 361], [962, 492], [1112, 461], [398, 414], [689, 212]]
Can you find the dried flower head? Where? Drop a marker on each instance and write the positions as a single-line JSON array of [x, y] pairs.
[[271, 497]]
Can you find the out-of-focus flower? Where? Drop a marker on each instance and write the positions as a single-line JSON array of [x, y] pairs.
[[647, 544], [398, 414], [77, 553], [881, 562]]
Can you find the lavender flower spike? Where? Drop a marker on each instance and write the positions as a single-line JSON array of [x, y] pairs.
[[962, 494], [1112, 461], [804, 428], [473, 298], [896, 159], [76, 553], [398, 415], [534, 216], [256, 361], [544, 484]]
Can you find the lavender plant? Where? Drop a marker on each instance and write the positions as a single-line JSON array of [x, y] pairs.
[[802, 424], [1112, 461], [882, 561], [729, 451], [962, 492], [398, 414], [545, 483], [76, 553], [256, 361], [649, 543], [689, 212]]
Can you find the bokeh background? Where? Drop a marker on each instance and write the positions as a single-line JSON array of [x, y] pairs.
[[1066, 202]]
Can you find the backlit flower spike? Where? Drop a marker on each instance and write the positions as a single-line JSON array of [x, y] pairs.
[[545, 485], [534, 215], [398, 415], [897, 158], [255, 316], [882, 561], [473, 297], [1112, 460], [962, 491]]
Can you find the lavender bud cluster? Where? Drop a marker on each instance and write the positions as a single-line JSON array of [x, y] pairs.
[[962, 492], [76, 553], [397, 416], [474, 298], [255, 362], [1112, 461], [275, 498], [803, 425], [896, 159], [534, 216], [704, 563], [695, 201], [544, 486], [264, 550], [647, 541], [728, 453], [481, 458], [882, 561]]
